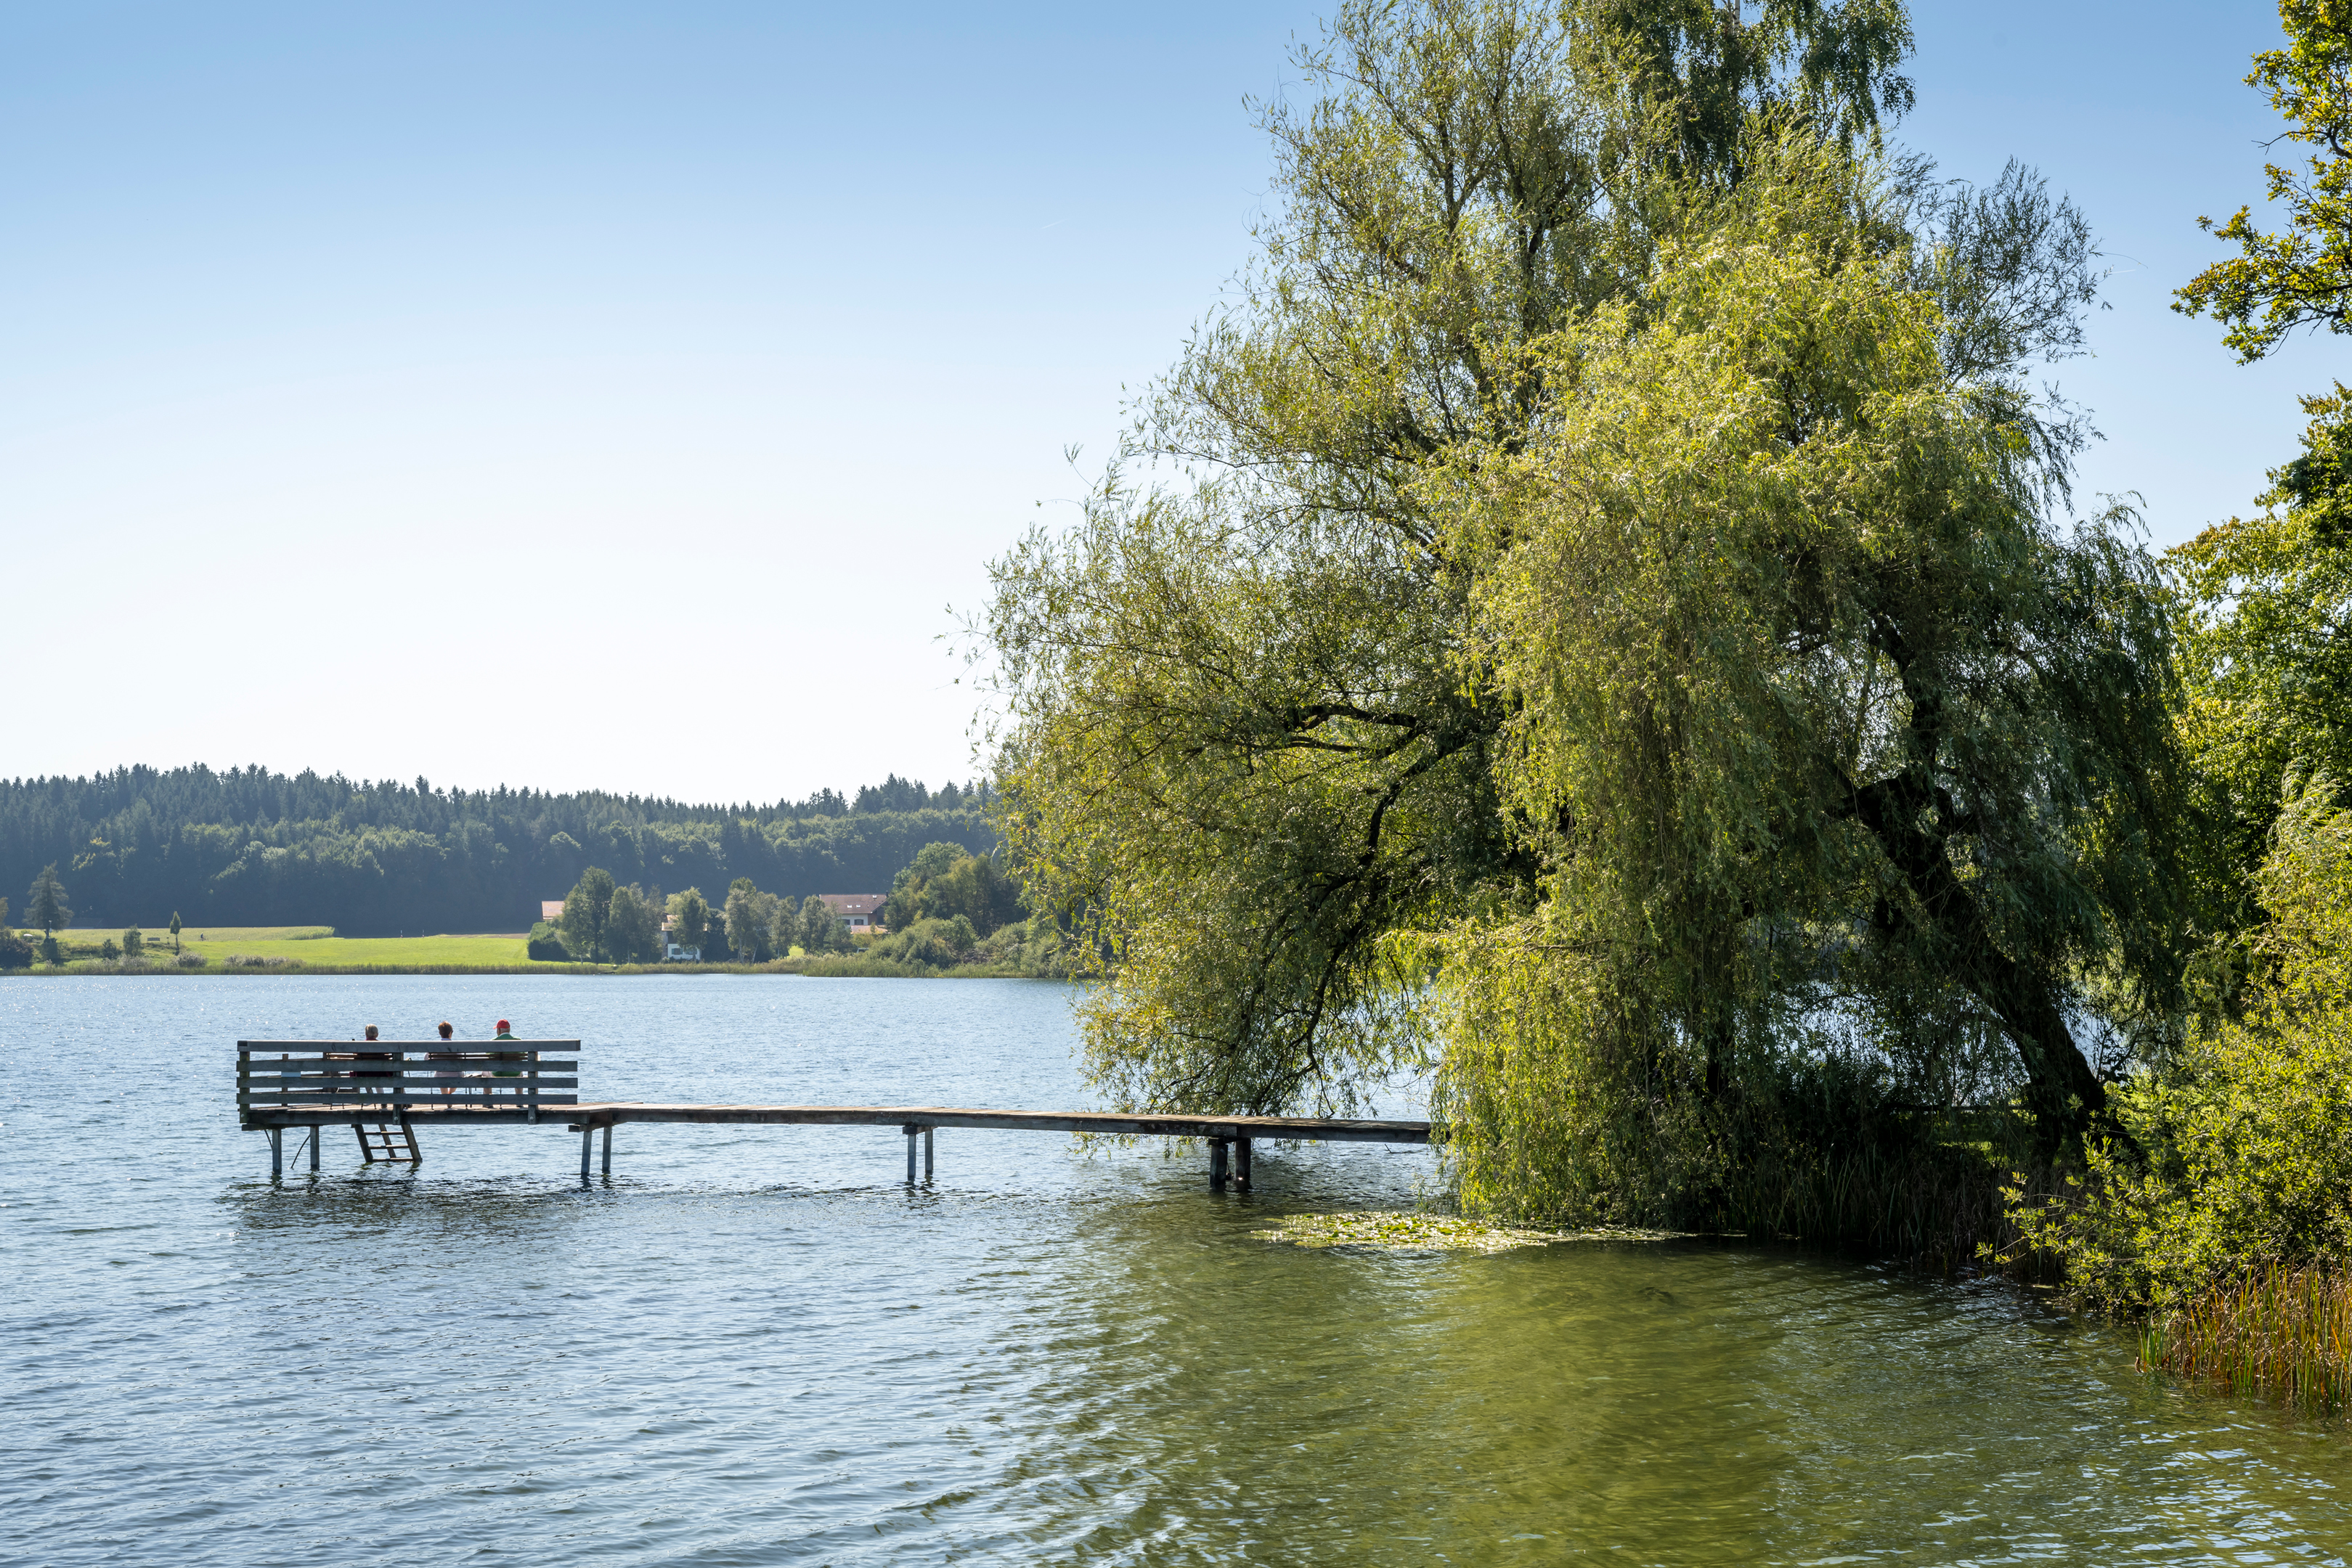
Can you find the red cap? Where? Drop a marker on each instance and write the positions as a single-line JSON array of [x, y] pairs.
[[503, 1024]]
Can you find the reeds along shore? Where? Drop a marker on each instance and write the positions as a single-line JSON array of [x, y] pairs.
[[2284, 1333]]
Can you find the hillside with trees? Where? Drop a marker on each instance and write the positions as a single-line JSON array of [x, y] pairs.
[[249, 847]]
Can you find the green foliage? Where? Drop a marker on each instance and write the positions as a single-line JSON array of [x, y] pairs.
[[50, 953], [1775, 729], [545, 946], [946, 880], [1703, 67], [135, 943], [750, 923], [1594, 570], [587, 911], [16, 953], [176, 924], [691, 918], [2239, 1156], [631, 927], [934, 943], [821, 930], [46, 905], [2301, 276], [975, 889], [108, 951], [2266, 655], [246, 847]]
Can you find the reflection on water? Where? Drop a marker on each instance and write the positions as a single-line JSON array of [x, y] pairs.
[[756, 1346]]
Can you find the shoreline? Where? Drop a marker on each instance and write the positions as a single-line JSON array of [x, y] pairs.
[[826, 968]]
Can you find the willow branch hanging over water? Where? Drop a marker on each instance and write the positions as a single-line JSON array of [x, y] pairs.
[[1591, 616]]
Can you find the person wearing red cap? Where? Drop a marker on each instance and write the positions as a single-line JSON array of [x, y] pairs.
[[506, 1032]]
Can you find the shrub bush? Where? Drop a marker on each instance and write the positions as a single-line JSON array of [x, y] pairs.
[[16, 953], [938, 943], [2236, 1158], [545, 947]]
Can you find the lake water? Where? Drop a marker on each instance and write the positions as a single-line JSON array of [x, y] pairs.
[[757, 1345]]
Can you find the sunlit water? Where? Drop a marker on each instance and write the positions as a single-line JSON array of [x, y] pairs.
[[757, 1345]]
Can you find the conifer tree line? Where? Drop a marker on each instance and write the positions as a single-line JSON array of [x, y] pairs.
[[1603, 612], [249, 847]]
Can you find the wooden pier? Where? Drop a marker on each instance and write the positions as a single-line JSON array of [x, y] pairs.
[[413, 1084]]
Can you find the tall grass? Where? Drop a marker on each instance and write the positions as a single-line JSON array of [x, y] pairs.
[[2281, 1333], [1938, 1199], [1938, 1205]]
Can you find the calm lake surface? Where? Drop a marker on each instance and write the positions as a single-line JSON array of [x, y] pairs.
[[757, 1345]]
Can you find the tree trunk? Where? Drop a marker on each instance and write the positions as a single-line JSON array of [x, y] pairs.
[[2062, 1091]]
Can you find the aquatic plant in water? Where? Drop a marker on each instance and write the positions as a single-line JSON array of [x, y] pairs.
[[2284, 1333], [1425, 1232]]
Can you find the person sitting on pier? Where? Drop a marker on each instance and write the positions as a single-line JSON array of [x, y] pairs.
[[506, 1032], [372, 1056], [445, 1056]]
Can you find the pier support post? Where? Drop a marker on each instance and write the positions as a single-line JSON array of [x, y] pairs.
[[277, 1153], [926, 1155], [911, 1130], [587, 1146], [1217, 1164], [314, 1151], [608, 1151], [1241, 1164]]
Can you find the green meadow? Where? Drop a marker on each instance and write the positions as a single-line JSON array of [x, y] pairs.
[[313, 947]]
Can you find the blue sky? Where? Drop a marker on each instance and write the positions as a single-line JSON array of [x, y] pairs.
[[620, 396]]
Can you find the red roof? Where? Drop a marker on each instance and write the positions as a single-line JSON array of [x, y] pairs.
[[855, 903]]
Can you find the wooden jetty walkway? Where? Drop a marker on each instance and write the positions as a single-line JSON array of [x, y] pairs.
[[385, 1091]]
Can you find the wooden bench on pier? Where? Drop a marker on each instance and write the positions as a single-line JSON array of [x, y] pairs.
[[397, 1084], [315, 1084]]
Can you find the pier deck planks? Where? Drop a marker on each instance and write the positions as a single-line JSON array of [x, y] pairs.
[[1110, 1123]]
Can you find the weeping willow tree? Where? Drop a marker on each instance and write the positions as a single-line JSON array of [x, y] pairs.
[[1585, 607], [1813, 716]]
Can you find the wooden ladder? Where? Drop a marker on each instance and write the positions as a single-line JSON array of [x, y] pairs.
[[389, 1142]]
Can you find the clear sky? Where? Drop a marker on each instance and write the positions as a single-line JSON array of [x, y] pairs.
[[594, 395]]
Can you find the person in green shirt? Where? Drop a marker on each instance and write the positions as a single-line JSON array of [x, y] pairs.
[[506, 1032]]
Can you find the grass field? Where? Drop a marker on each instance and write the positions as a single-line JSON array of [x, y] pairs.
[[312, 946]]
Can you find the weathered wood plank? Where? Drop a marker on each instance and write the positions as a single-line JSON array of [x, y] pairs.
[[321, 1077], [319, 1088], [439, 1116], [1106, 1122], [408, 1096], [566, 1046], [422, 1109], [394, 1074], [259, 1066]]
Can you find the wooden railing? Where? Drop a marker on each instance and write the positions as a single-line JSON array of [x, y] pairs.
[[394, 1076]]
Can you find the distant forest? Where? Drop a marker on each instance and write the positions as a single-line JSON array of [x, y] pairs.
[[249, 847]]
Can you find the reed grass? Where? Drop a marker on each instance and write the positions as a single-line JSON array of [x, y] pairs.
[[1941, 1203], [2283, 1333]]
